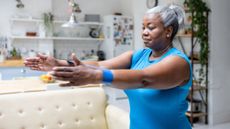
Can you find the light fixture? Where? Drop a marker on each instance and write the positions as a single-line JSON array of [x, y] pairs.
[[72, 23], [20, 5]]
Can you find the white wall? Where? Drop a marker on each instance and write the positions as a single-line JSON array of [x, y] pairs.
[[102, 7], [32, 7], [219, 79], [126, 7], [35, 8], [6, 6], [138, 10], [219, 62]]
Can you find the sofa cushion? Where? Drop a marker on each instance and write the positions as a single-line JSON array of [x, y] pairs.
[[81, 108], [116, 118]]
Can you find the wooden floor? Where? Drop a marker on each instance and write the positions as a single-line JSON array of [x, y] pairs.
[[221, 126]]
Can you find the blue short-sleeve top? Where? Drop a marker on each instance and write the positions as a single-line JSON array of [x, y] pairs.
[[157, 108]]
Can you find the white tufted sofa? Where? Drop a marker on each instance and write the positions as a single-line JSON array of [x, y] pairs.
[[80, 108]]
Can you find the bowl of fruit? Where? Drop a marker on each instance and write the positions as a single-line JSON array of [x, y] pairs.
[[47, 78]]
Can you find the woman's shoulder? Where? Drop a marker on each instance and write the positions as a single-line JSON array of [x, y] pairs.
[[175, 55], [141, 51], [179, 53]]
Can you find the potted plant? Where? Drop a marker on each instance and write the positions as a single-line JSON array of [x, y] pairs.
[[200, 12], [48, 23]]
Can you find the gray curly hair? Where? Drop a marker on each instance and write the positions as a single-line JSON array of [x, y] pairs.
[[172, 15]]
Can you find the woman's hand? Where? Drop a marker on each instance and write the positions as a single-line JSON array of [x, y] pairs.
[[79, 75], [41, 62], [47, 63]]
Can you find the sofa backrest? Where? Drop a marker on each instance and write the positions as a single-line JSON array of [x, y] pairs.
[[81, 108]]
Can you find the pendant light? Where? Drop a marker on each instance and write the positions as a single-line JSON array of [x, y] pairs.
[[75, 9], [19, 4]]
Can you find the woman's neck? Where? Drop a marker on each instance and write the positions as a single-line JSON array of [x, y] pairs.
[[158, 53]]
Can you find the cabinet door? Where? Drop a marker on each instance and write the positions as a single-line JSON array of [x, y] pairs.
[[15, 72]]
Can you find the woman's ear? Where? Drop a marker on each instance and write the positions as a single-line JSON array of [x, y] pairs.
[[169, 31]]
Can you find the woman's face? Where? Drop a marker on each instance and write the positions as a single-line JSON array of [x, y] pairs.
[[154, 32]]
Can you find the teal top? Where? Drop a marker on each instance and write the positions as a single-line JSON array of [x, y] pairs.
[[155, 108]]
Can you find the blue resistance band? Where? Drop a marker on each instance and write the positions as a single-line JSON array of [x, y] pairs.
[[107, 76]]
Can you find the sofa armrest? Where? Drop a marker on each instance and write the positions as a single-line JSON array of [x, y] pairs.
[[116, 118]]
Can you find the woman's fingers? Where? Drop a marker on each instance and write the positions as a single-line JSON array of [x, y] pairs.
[[63, 78], [32, 63], [75, 59], [27, 63], [63, 69], [33, 68], [32, 59], [62, 74], [43, 57], [78, 75]]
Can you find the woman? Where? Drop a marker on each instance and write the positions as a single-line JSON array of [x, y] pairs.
[[156, 79]]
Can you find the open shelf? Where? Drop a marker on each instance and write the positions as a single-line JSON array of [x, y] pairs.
[[193, 52], [196, 62], [25, 20], [80, 23], [77, 38], [189, 114], [197, 87], [55, 21], [184, 35], [56, 38], [187, 10]]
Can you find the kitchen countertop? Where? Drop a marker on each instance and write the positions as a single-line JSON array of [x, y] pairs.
[[12, 63], [22, 85], [33, 84]]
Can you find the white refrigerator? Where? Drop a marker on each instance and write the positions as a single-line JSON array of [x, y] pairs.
[[118, 34]]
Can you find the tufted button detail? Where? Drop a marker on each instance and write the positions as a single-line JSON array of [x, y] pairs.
[[1, 115], [20, 112], [23, 128], [40, 109], [42, 126], [74, 105], [58, 108], [77, 121], [60, 123], [89, 104], [92, 118]]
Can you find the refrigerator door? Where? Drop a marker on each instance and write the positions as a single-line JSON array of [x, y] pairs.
[[118, 35]]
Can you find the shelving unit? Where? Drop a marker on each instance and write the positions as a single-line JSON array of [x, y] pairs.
[[204, 96], [201, 89], [184, 35], [55, 21], [55, 38], [39, 21], [43, 43], [201, 114]]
